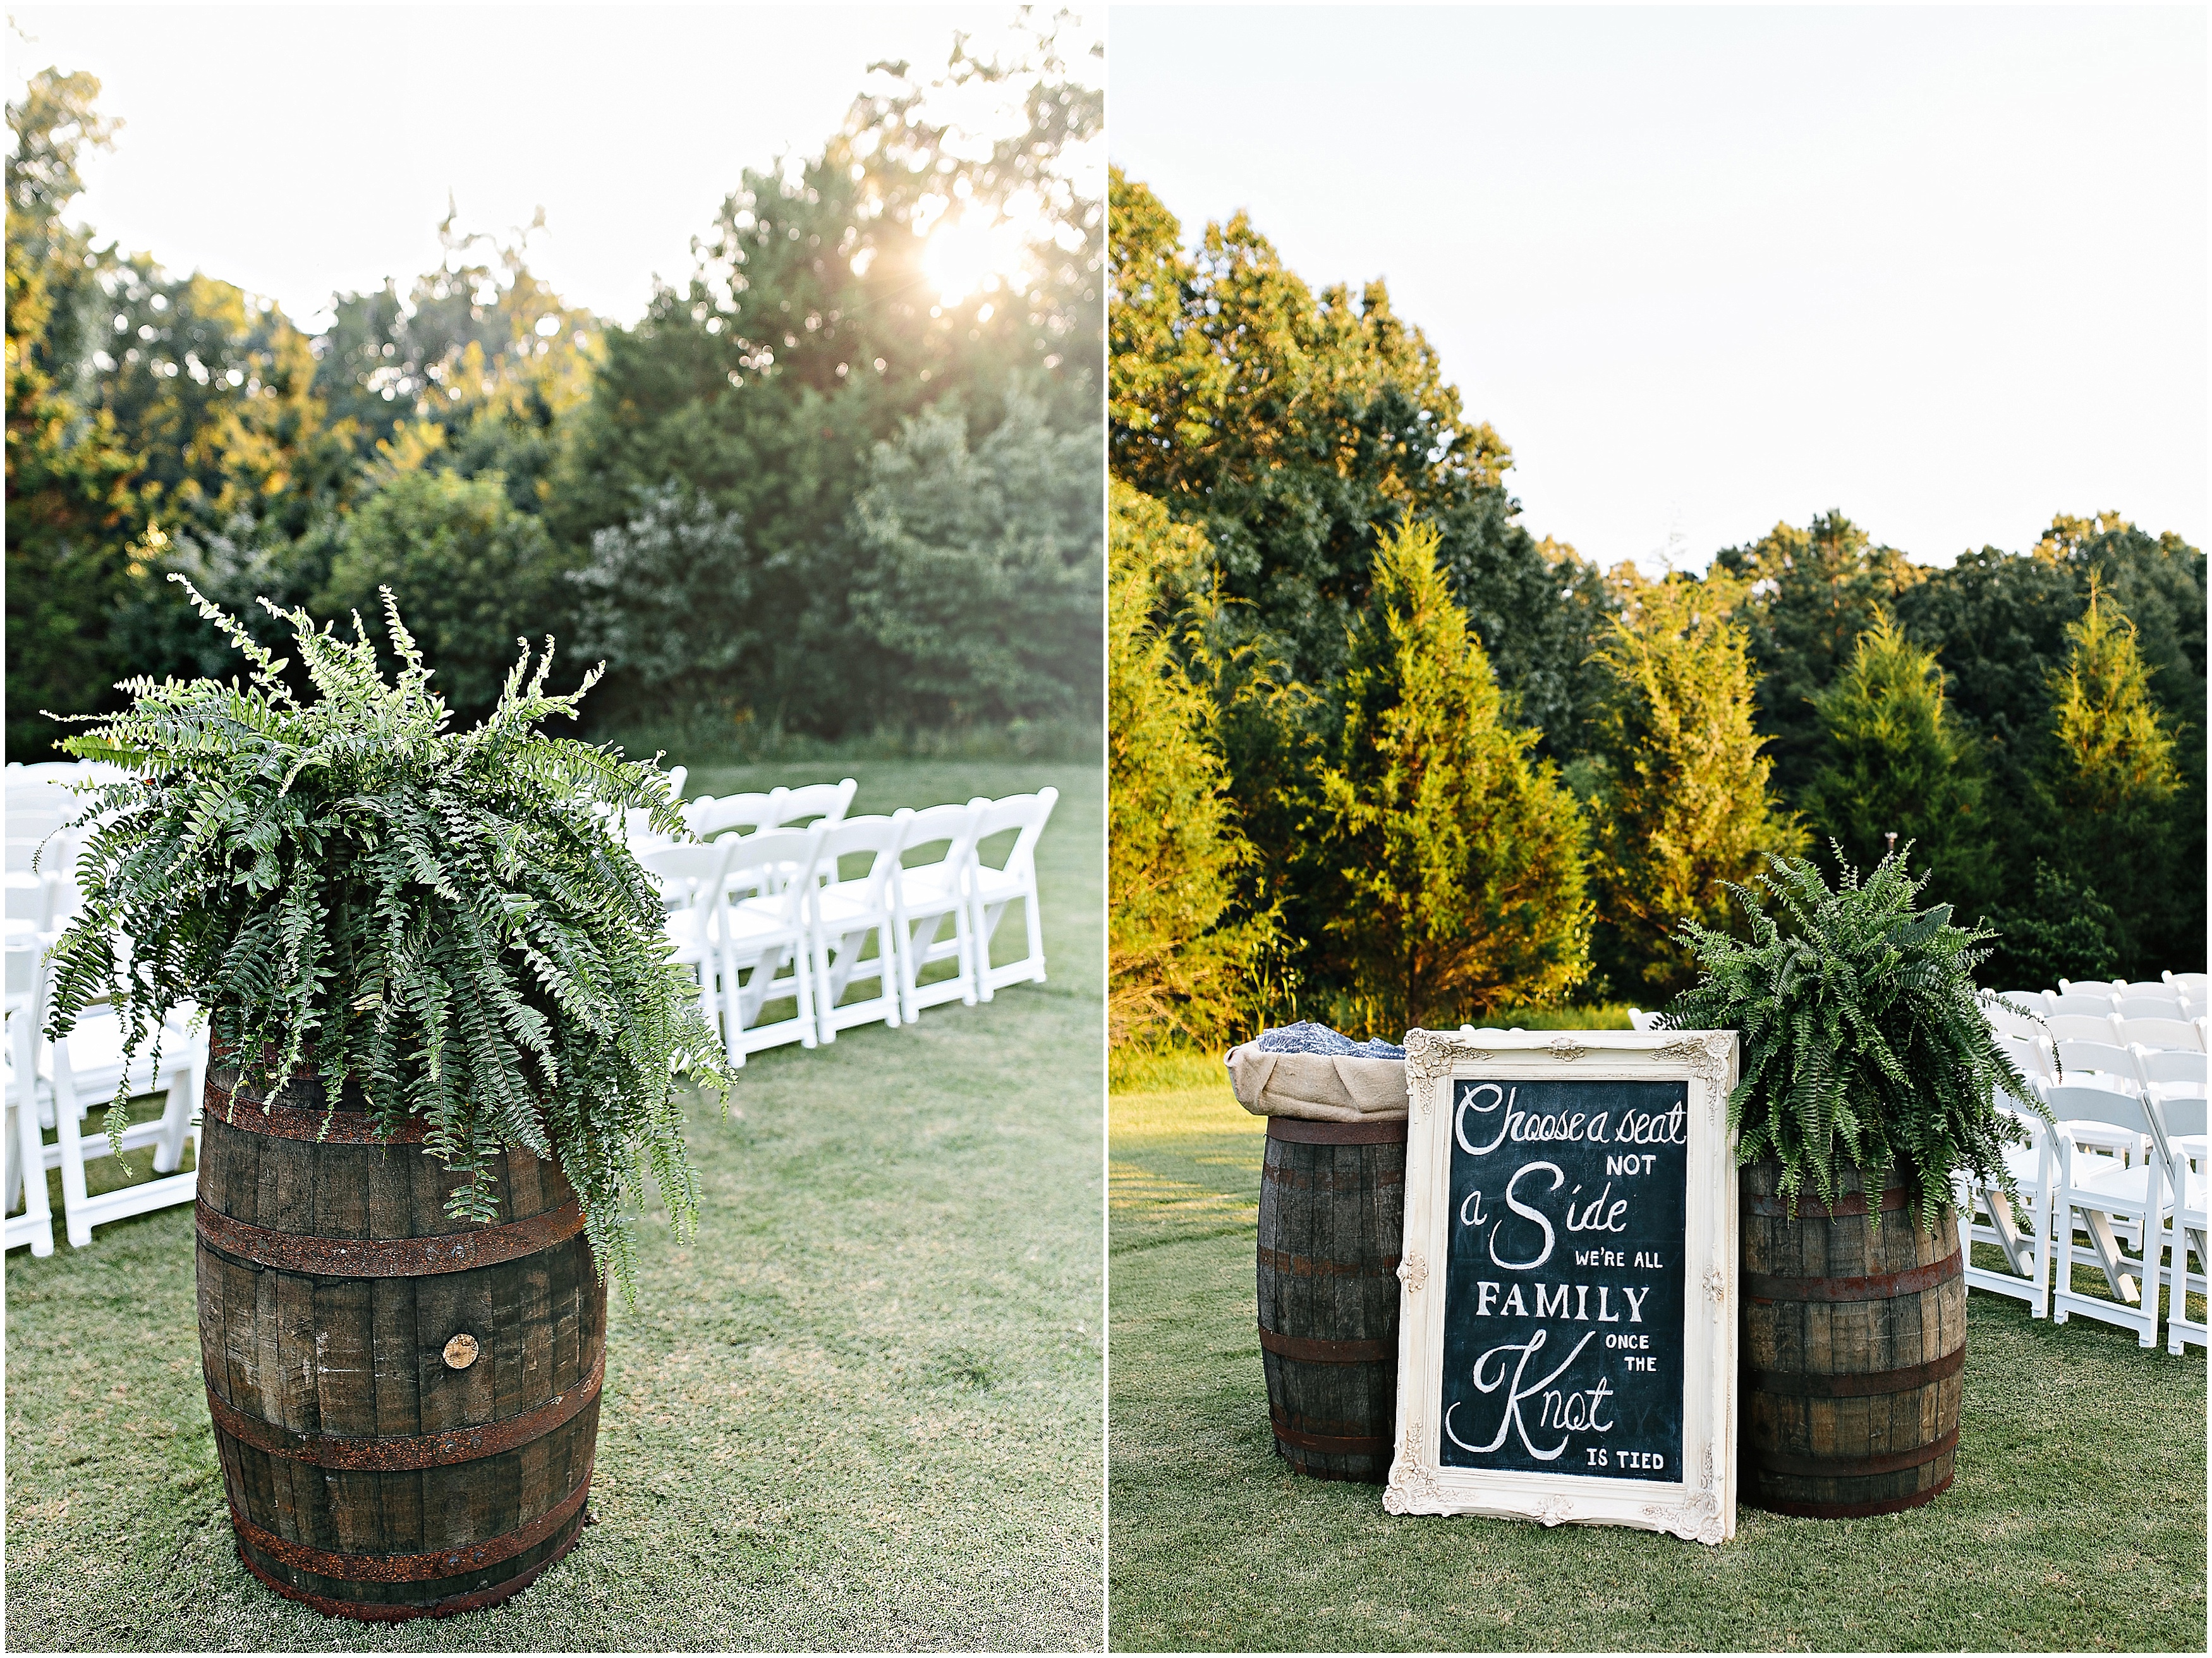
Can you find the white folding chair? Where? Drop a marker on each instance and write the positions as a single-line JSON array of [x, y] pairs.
[[992, 890], [2174, 1119], [85, 1071], [2028, 1255], [693, 885], [926, 893], [2101, 1190], [1639, 1020], [2183, 1036], [25, 1146], [769, 930], [2195, 986], [2037, 1002], [844, 913]]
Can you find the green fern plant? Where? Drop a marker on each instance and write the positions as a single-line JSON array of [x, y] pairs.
[[447, 922], [1863, 1038]]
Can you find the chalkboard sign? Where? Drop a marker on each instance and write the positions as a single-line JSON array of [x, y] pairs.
[[1567, 1336]]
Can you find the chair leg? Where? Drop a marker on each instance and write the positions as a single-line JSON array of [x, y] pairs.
[[908, 989], [74, 1196], [825, 995], [1036, 925], [176, 1120], [810, 994], [888, 978], [2110, 1259], [30, 1170]]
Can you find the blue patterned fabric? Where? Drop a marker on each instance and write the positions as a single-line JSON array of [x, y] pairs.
[[1306, 1037]]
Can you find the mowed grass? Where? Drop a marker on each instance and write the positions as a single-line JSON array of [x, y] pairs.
[[2077, 1520], [862, 1411]]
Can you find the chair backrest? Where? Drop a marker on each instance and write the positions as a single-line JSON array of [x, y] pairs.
[[2037, 1002], [2165, 1005], [2083, 1028], [2169, 1071], [2144, 988], [798, 852], [826, 801], [2085, 1102], [952, 827], [2084, 998], [677, 776], [2195, 986], [2006, 1022], [32, 898], [1025, 813], [2109, 1058], [708, 818], [1639, 1020], [875, 836], [2186, 1035], [691, 875], [2033, 1054]]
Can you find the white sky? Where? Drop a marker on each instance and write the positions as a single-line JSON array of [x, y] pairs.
[[1708, 269], [300, 150]]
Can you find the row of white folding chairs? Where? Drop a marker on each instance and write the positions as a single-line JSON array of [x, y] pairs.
[[65, 1086], [2128, 1156], [2171, 998], [747, 907]]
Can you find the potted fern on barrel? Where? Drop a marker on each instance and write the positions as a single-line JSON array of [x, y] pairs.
[[1869, 1084], [446, 1038]]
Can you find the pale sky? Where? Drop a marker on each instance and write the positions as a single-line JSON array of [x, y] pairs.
[[1706, 270], [300, 150]]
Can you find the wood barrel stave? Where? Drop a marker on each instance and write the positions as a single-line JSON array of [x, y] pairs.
[[1854, 1352], [1332, 1222], [367, 1476]]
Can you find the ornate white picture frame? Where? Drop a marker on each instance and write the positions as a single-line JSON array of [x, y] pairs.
[[1700, 1502]]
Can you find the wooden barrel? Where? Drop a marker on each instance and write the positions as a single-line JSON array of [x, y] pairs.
[[1332, 1222], [1854, 1352], [405, 1405]]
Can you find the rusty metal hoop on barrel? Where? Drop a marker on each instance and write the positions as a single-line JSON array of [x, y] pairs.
[[1332, 1220], [1854, 1351], [405, 1405]]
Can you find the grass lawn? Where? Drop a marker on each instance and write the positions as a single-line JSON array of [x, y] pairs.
[[2077, 1520], [863, 1411]]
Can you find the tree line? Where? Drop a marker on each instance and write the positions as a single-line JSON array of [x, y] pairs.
[[1379, 755], [809, 491]]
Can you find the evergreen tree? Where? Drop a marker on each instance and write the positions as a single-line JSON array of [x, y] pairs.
[[2115, 752], [2108, 790], [1179, 966], [1458, 856], [1810, 593], [1684, 806], [1892, 762]]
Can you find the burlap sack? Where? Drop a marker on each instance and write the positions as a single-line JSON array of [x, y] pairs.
[[1324, 1087]]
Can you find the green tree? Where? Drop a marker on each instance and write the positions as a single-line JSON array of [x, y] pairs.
[[473, 575], [1893, 763], [1295, 428], [976, 579], [1684, 806], [1810, 593], [73, 515], [1460, 856], [824, 311], [1180, 965], [2115, 752]]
